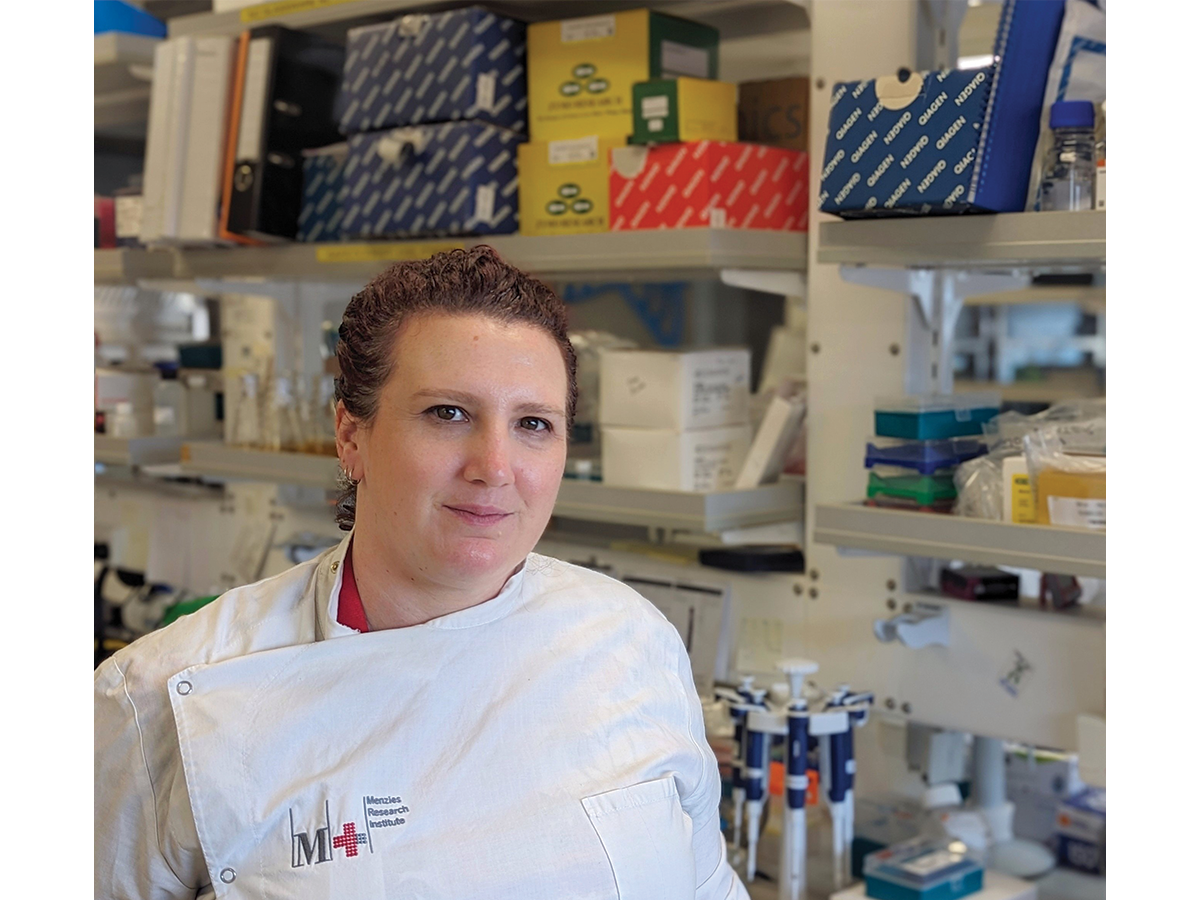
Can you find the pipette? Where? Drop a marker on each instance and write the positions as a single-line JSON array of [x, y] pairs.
[[793, 871], [757, 731], [738, 710], [857, 706]]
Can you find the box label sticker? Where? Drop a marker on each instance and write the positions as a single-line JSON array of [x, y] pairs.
[[654, 125], [658, 107], [485, 202], [1023, 509], [680, 59], [260, 11], [128, 214], [713, 388], [578, 150], [931, 862], [485, 91], [1076, 513], [592, 28], [373, 252]]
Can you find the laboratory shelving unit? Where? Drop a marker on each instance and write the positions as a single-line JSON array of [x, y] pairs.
[[1043, 241], [641, 253], [1067, 551], [122, 79], [144, 451], [588, 501]]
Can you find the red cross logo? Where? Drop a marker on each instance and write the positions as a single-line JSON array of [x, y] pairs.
[[349, 840]]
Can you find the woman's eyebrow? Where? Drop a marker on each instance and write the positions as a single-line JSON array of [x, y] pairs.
[[544, 409]]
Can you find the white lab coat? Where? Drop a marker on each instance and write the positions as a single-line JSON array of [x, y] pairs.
[[545, 744]]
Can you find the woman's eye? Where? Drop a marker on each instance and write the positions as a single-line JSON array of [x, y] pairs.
[[448, 413], [531, 423]]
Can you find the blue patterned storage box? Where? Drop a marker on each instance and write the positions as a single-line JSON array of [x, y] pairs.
[[463, 64], [321, 213], [431, 180], [953, 141]]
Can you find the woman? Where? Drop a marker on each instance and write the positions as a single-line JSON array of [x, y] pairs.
[[429, 709]]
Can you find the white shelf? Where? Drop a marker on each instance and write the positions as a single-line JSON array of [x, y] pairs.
[[731, 16], [1065, 551], [610, 255], [128, 265], [122, 92], [585, 500], [146, 451], [1021, 240], [216, 460], [709, 513]]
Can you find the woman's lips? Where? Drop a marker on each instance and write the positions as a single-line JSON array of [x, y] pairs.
[[478, 515]]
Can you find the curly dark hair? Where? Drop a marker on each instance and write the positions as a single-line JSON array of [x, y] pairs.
[[475, 281]]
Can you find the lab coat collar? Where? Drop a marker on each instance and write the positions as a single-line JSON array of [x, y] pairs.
[[328, 588]]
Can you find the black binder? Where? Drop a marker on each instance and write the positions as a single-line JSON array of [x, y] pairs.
[[288, 88]]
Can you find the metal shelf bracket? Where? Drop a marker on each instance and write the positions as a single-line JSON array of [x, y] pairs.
[[787, 284]]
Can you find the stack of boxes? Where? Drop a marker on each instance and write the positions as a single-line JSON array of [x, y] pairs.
[[433, 107], [647, 80], [918, 444], [581, 78], [674, 421]]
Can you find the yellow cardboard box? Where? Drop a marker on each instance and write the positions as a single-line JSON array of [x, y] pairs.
[[582, 71], [564, 185]]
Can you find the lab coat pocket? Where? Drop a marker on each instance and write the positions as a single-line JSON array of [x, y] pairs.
[[648, 840]]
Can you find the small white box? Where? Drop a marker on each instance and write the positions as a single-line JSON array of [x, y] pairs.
[[706, 459], [677, 391]]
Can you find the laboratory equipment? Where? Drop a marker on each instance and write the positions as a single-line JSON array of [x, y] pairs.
[[925, 457], [1069, 169], [758, 727], [935, 416], [793, 871], [837, 773], [923, 869], [903, 484], [1080, 831]]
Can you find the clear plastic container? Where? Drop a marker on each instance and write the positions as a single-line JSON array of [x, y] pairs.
[[924, 490], [923, 869], [925, 457], [1069, 169], [927, 417]]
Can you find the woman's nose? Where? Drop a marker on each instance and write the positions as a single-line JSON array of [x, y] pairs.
[[488, 458]]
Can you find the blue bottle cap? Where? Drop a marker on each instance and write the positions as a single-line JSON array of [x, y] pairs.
[[1072, 114]]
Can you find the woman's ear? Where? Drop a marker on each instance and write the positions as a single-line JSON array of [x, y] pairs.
[[349, 433]]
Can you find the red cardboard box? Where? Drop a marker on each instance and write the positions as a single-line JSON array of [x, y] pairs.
[[708, 184]]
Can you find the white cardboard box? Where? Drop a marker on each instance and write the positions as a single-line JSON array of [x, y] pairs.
[[661, 389], [707, 459]]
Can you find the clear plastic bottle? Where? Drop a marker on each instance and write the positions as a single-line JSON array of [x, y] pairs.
[[1069, 170]]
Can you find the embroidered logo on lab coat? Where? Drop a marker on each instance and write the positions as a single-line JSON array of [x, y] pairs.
[[316, 841]]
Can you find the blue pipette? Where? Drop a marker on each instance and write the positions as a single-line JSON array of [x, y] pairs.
[[755, 777], [793, 871]]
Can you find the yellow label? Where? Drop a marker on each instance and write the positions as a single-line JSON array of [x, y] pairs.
[[261, 11], [579, 87], [1023, 509], [564, 185], [185, 453], [374, 252]]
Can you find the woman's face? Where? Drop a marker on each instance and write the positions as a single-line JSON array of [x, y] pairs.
[[462, 464]]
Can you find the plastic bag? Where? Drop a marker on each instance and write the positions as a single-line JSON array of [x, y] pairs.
[[980, 481], [1067, 471]]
